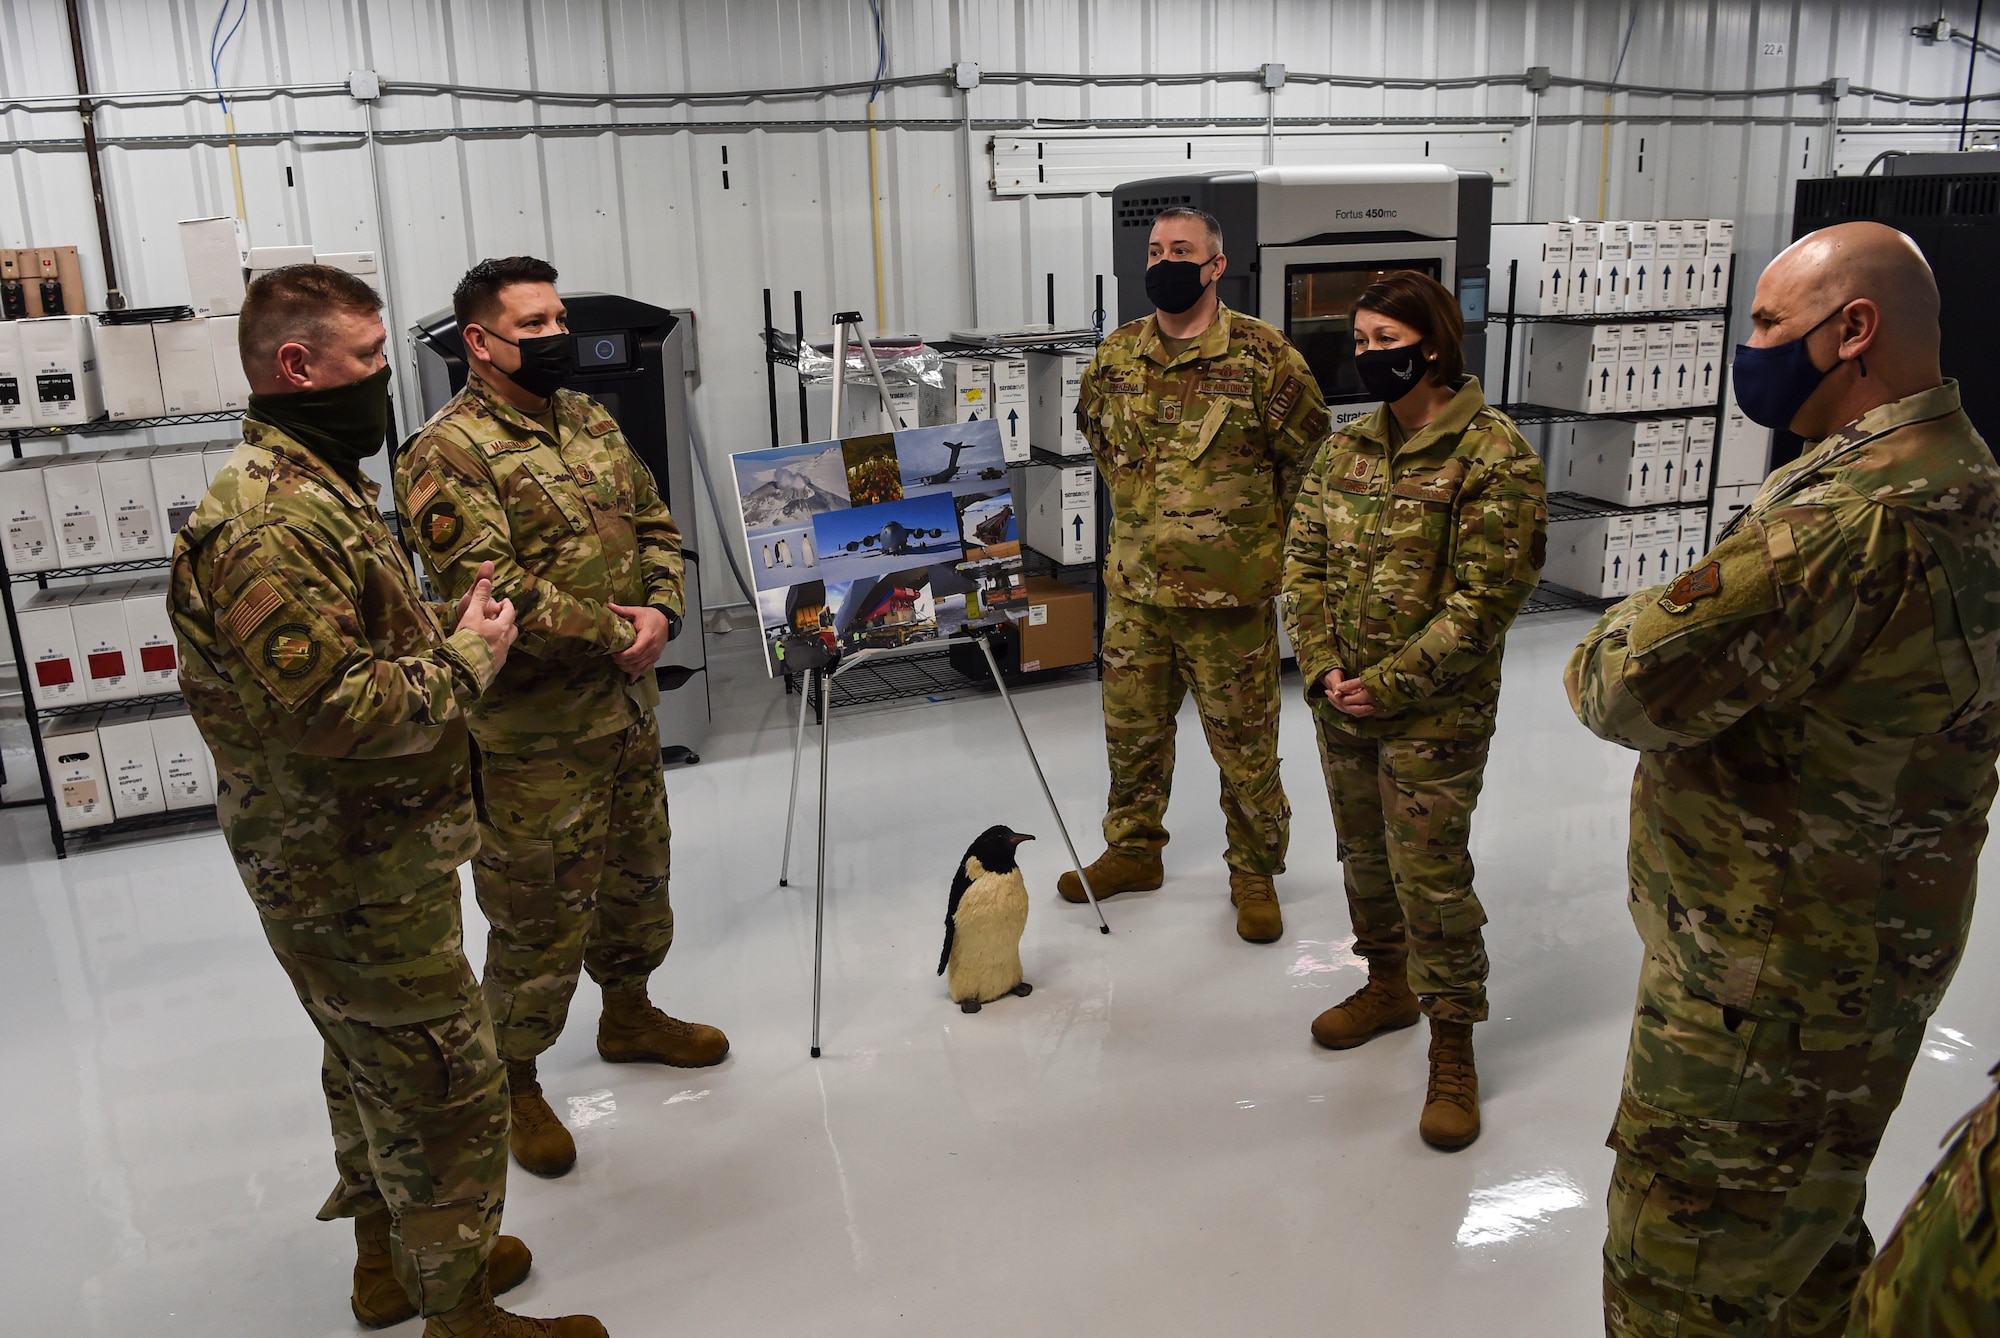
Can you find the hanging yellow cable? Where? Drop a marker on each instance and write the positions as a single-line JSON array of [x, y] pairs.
[[235, 164], [875, 219]]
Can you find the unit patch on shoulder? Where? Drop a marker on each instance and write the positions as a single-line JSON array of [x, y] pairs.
[[1691, 587], [291, 650], [440, 526], [1282, 402]]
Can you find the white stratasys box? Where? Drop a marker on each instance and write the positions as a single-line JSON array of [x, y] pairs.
[[17, 388], [216, 252], [76, 505], [187, 771], [1055, 381], [1010, 405], [131, 766], [187, 367], [1698, 463], [128, 368], [152, 634], [232, 387], [55, 670], [104, 641], [76, 770], [965, 395], [1540, 256], [30, 528], [180, 481], [60, 360], [131, 506]]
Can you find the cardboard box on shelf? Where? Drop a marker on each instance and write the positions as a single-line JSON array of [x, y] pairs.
[[1059, 626], [131, 766], [1061, 512], [128, 367], [1693, 525], [180, 480], [1708, 359], [152, 634], [1744, 454], [24, 511], [1570, 367], [76, 505], [187, 771], [1731, 500], [354, 262], [965, 396], [104, 640], [232, 387], [76, 770], [1631, 366], [1667, 294], [1592, 557], [131, 507], [275, 257], [216, 456], [1673, 461], [1642, 293], [217, 253], [1698, 462], [17, 387], [861, 408], [60, 361], [1614, 268], [1656, 368], [1054, 380], [48, 639], [1010, 405], [1597, 460], [187, 367], [1655, 536], [1683, 371], [1539, 254]]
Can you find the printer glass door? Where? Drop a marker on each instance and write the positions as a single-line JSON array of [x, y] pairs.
[[1319, 316]]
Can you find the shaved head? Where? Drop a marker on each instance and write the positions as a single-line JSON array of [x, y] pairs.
[[1864, 299]]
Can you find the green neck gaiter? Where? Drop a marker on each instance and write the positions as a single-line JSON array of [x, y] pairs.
[[343, 425]]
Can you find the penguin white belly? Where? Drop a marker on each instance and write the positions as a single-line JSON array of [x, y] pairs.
[[986, 940]]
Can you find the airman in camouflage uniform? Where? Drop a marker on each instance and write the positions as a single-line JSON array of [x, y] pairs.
[[1814, 704], [1405, 566], [1939, 1272], [574, 842], [1202, 451], [334, 703]]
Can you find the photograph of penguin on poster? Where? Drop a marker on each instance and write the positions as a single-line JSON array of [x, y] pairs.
[[880, 540]]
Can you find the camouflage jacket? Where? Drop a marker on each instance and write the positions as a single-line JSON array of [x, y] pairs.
[[1202, 455], [572, 525], [326, 687], [1407, 567], [1817, 709]]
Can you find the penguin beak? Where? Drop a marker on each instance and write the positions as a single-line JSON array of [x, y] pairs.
[[1019, 837]]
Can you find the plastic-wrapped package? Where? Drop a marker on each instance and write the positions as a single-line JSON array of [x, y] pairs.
[[904, 359]]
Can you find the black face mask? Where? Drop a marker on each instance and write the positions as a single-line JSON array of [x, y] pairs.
[[1390, 373], [1175, 286], [343, 425], [547, 362]]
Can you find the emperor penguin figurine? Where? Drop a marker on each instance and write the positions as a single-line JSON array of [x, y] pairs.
[[984, 923]]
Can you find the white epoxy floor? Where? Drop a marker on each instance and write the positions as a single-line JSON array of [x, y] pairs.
[[1149, 1144]]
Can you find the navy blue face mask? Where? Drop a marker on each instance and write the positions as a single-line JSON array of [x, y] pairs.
[[1773, 384]]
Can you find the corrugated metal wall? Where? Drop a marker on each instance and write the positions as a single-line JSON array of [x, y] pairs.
[[704, 205]]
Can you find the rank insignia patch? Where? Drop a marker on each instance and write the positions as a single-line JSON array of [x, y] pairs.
[[1691, 587], [1360, 467], [440, 526], [1169, 412], [291, 650]]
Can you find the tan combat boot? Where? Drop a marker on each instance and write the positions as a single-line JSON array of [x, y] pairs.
[[534, 1134], [1258, 919], [477, 1317], [1116, 871], [1385, 1003], [632, 1030], [1451, 1106], [379, 1300]]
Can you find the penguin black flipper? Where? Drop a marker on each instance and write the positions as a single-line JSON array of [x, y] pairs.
[[959, 883]]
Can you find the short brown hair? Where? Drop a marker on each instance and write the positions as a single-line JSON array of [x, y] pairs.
[[291, 305], [477, 296], [1201, 216], [1426, 306]]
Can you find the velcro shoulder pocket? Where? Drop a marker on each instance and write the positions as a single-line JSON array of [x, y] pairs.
[[1732, 583], [288, 646]]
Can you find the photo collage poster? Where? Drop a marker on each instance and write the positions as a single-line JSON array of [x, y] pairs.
[[880, 540]]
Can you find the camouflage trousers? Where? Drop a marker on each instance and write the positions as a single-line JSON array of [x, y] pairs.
[[1939, 1272], [1743, 1152], [1402, 813], [414, 1086], [1229, 658], [572, 875]]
